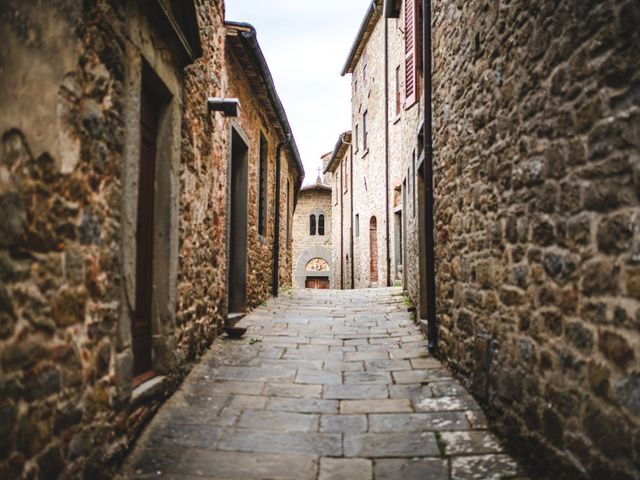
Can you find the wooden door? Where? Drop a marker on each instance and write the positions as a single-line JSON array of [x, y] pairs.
[[238, 213], [373, 250], [317, 283], [141, 323]]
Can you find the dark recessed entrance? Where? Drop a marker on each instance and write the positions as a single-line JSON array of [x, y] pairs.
[[237, 282], [317, 283], [373, 250], [141, 324]]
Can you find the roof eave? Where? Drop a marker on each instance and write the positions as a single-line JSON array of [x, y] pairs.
[[354, 53], [247, 34], [338, 151]]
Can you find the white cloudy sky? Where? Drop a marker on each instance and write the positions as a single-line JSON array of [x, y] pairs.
[[306, 43]]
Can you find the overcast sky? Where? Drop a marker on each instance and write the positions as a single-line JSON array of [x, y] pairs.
[[306, 43]]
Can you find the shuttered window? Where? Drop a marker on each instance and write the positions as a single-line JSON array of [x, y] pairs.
[[321, 225], [312, 225], [411, 51]]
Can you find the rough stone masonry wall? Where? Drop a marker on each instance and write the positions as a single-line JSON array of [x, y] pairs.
[[537, 138], [253, 121], [60, 197], [403, 145], [202, 279]]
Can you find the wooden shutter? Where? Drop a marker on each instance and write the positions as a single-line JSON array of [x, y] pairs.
[[411, 51]]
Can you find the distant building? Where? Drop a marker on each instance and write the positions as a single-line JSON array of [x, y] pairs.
[[312, 251], [338, 170]]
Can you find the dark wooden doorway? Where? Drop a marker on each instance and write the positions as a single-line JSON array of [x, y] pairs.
[[141, 324], [373, 250], [318, 283], [237, 282]]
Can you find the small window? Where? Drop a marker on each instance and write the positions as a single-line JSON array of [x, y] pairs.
[[312, 225], [357, 142], [321, 225], [365, 60], [365, 131], [357, 224], [398, 92], [346, 176]]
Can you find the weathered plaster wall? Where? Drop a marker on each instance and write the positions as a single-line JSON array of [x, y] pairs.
[[537, 134], [61, 193]]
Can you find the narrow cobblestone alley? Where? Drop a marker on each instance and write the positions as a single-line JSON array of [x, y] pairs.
[[327, 385]]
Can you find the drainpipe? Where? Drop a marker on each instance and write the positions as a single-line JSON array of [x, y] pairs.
[[432, 325], [341, 229], [386, 143], [275, 280], [353, 276]]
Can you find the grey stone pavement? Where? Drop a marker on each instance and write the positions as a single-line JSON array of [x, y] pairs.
[[324, 385]]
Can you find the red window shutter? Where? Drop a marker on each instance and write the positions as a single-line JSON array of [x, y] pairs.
[[411, 51]]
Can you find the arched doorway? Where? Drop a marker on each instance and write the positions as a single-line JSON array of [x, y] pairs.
[[373, 250]]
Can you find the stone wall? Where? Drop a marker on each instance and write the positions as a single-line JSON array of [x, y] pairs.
[[341, 217], [254, 121], [314, 199], [63, 187], [369, 163], [537, 133], [69, 159]]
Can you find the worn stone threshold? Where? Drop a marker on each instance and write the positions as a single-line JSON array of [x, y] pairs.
[[146, 391]]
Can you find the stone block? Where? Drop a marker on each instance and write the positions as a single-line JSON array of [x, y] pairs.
[[342, 468], [390, 445], [343, 423], [375, 406]]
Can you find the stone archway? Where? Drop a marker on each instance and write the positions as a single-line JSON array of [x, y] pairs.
[[301, 273]]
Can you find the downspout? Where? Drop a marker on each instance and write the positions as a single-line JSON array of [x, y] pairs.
[[353, 278], [341, 228], [386, 143], [432, 325], [275, 280]]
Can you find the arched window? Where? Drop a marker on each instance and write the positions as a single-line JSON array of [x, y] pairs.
[[321, 225], [312, 225]]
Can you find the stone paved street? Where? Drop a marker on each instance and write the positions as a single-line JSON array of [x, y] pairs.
[[324, 385]]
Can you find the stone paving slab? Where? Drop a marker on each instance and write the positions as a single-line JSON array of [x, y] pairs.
[[325, 385]]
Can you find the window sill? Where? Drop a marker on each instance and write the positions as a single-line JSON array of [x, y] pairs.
[[397, 118], [365, 153], [262, 239]]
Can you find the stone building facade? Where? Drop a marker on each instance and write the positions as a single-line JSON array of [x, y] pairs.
[[366, 63], [313, 264], [537, 251], [338, 168], [114, 195]]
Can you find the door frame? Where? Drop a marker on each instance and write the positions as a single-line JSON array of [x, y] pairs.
[[373, 242], [237, 299]]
